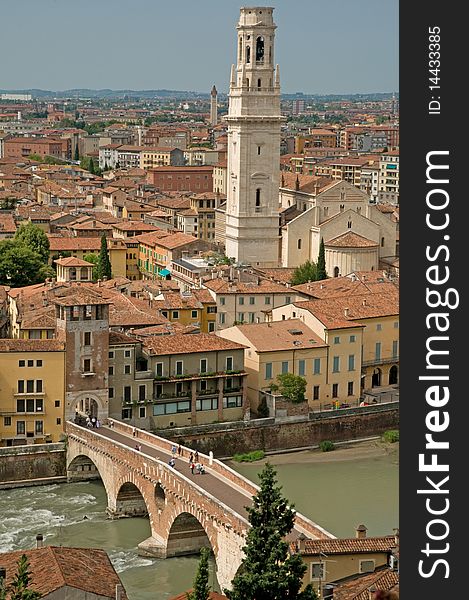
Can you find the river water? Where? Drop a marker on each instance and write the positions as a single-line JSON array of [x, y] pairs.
[[337, 495]]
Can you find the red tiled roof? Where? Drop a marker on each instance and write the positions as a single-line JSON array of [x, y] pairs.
[[351, 240], [17, 345], [189, 344]]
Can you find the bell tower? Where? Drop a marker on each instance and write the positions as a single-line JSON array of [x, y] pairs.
[[254, 119]]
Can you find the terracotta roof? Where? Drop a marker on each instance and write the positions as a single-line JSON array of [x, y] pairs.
[[357, 283], [189, 344], [280, 275], [169, 241], [72, 261], [117, 339], [221, 286], [7, 223], [17, 345], [135, 226], [350, 545], [42, 317], [351, 240], [79, 295], [357, 588], [291, 334], [73, 243], [53, 568], [175, 203]]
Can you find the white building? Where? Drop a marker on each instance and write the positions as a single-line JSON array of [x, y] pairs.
[[254, 119]]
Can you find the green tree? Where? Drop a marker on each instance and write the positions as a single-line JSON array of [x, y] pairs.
[[77, 153], [19, 265], [34, 238], [19, 587], [304, 273], [292, 387], [92, 258], [321, 265], [91, 167], [36, 157], [268, 571], [103, 267], [201, 589]]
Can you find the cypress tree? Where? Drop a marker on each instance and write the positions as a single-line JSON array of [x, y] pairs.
[[103, 268], [77, 153], [321, 264], [91, 168], [201, 589], [268, 571]]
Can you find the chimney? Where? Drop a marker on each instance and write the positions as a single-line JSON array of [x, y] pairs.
[[364, 302], [396, 536], [321, 286], [360, 532], [99, 282], [300, 543], [39, 540], [346, 310]]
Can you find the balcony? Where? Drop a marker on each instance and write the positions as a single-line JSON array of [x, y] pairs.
[[232, 390], [179, 395], [380, 361], [211, 392], [143, 375], [208, 375]]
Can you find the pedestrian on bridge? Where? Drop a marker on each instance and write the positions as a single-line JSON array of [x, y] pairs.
[[180, 450], [171, 462], [196, 456], [191, 459], [192, 467]]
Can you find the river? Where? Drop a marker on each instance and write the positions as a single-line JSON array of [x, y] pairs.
[[337, 493]]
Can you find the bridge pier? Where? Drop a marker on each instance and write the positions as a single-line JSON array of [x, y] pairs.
[[154, 546]]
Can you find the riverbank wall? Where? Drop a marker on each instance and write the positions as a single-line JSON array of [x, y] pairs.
[[227, 439], [36, 464]]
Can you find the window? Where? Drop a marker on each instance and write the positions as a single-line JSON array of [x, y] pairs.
[[336, 364], [268, 370], [318, 571], [299, 244], [7, 421], [285, 366], [258, 197], [87, 338], [211, 326], [57, 404], [30, 363], [111, 354], [378, 351], [20, 406], [316, 392], [179, 367], [39, 386], [317, 366], [352, 339], [159, 369], [301, 367], [142, 412], [206, 404], [39, 405], [337, 340], [252, 300], [287, 299], [267, 300], [127, 369], [232, 401], [194, 314], [241, 317], [111, 370], [350, 388], [229, 363], [30, 386], [89, 312], [175, 314], [39, 363], [379, 327], [351, 362], [241, 300], [222, 301], [396, 324], [38, 427], [221, 318], [203, 365], [395, 348], [87, 365], [127, 353], [127, 393], [252, 317], [164, 313], [30, 405], [58, 421], [142, 392], [366, 566], [211, 309], [111, 392], [335, 390], [20, 427], [258, 150], [126, 413]]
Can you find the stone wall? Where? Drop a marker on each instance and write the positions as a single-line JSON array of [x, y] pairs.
[[38, 461], [225, 441]]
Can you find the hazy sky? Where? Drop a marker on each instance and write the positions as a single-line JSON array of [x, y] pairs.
[[322, 46]]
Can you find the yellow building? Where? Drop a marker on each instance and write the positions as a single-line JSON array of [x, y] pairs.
[[32, 387], [331, 561], [160, 156], [195, 307], [331, 369]]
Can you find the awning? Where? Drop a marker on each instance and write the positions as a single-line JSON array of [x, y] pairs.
[[164, 272]]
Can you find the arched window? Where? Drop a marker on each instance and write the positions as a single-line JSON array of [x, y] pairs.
[[259, 83], [260, 49], [349, 224], [336, 271], [270, 55], [73, 274], [240, 51], [342, 208], [299, 244], [84, 273], [248, 54], [258, 196], [382, 242]]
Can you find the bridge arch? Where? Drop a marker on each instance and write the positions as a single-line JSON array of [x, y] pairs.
[[130, 501], [187, 535]]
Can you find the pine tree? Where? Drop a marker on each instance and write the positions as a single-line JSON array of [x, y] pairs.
[[321, 265], [18, 589], [201, 589], [268, 571], [91, 167], [103, 268]]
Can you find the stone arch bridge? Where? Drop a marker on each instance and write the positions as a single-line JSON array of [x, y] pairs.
[[186, 511]]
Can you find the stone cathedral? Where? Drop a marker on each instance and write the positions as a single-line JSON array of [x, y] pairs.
[[254, 119]]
